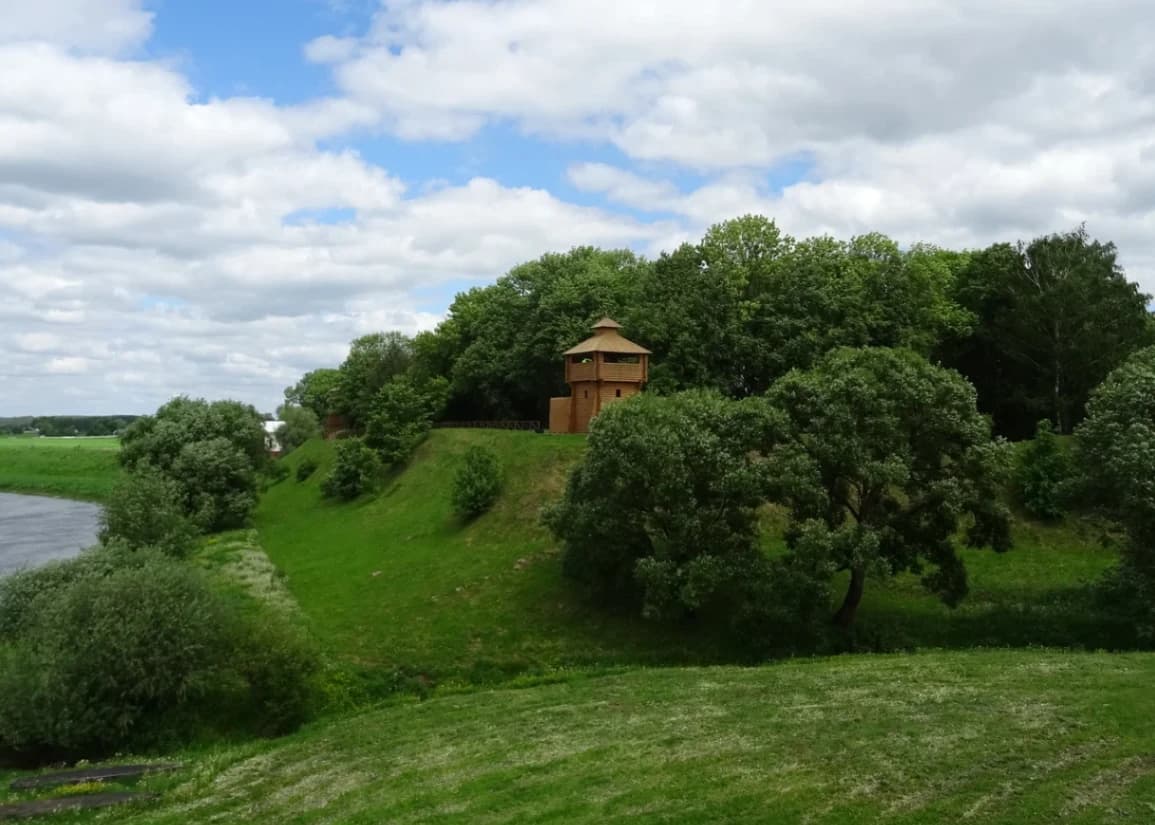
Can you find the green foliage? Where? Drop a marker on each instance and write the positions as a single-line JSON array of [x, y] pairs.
[[220, 486], [1043, 473], [108, 656], [316, 391], [664, 504], [355, 470], [213, 450], [274, 473], [373, 361], [402, 415], [748, 303], [300, 424], [158, 439], [1115, 452], [501, 345], [889, 453], [278, 663], [477, 483], [1054, 317], [125, 648], [22, 593], [147, 509], [306, 469]]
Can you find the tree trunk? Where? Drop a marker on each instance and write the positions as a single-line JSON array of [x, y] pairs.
[[845, 615]]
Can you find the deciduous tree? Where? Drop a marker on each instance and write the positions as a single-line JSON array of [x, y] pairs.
[[889, 453]]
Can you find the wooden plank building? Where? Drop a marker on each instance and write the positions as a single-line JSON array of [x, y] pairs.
[[600, 370]]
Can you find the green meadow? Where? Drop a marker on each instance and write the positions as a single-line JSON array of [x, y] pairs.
[[82, 468], [994, 737]]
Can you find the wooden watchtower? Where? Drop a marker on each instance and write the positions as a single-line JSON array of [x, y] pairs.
[[599, 371]]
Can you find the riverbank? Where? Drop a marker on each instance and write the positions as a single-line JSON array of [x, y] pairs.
[[85, 469]]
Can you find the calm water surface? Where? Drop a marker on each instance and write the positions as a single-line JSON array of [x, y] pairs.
[[36, 529]]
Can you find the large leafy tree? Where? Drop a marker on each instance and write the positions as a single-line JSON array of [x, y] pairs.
[[889, 454], [663, 507], [212, 450], [501, 345], [158, 439], [1115, 450], [1055, 316], [402, 415], [373, 361], [316, 391], [747, 304]]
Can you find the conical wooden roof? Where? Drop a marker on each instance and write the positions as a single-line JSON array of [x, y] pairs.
[[606, 338]]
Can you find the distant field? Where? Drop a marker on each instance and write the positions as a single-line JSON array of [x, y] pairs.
[[84, 443], [83, 468], [1007, 737]]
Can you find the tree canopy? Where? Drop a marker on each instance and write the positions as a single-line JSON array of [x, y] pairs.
[[888, 453], [212, 450], [1053, 318]]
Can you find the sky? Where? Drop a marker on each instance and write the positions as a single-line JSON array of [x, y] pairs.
[[211, 197]]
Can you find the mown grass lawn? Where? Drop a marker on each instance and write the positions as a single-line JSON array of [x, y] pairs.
[[81, 468], [993, 737]]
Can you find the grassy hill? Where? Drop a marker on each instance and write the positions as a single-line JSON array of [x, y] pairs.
[[82, 468], [991, 737], [394, 579]]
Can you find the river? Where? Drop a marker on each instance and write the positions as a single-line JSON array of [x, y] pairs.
[[36, 529]]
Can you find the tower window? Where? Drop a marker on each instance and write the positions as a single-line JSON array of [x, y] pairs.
[[587, 393], [618, 393]]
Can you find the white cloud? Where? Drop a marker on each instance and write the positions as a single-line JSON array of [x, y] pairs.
[[155, 242], [67, 366], [95, 25]]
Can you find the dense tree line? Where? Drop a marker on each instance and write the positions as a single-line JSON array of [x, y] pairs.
[[863, 387], [67, 425], [1034, 326]]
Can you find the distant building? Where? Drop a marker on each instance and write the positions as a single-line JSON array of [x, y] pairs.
[[600, 370], [271, 442]]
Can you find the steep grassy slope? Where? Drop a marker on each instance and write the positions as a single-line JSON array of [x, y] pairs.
[[396, 580], [994, 737], [82, 468]]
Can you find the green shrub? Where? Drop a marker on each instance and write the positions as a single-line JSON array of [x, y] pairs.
[[121, 648], [300, 424], [402, 415], [279, 665], [477, 483], [214, 451], [354, 471], [663, 508], [306, 469], [109, 659], [146, 509], [275, 472], [1042, 474], [21, 593], [219, 481]]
